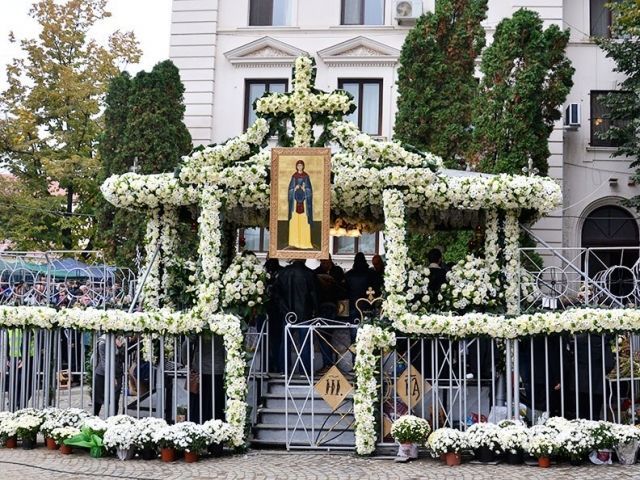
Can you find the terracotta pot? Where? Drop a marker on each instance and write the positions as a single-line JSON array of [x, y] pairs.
[[11, 442], [443, 458], [544, 462], [190, 457], [66, 449], [453, 459], [51, 444], [168, 454]]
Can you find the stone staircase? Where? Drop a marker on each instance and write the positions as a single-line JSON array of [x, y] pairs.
[[311, 421]]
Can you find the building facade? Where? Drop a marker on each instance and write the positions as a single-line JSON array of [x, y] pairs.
[[230, 52]]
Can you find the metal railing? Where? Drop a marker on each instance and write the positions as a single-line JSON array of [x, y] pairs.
[[63, 279], [558, 278], [141, 375], [456, 383]]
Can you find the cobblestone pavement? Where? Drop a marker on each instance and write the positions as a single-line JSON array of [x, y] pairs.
[[43, 464]]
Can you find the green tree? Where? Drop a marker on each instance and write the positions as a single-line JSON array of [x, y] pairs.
[[53, 106], [526, 77], [143, 121], [624, 49], [436, 83]]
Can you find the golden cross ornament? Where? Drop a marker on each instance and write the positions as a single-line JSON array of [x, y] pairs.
[[303, 102]]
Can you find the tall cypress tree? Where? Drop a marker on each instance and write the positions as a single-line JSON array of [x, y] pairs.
[[526, 77], [436, 85], [624, 49], [143, 120]]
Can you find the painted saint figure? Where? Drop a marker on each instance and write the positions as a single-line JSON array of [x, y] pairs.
[[300, 208]]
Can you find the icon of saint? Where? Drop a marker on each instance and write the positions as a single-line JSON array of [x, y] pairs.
[[300, 208]]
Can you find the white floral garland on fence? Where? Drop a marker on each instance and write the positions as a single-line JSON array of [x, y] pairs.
[[397, 253], [136, 191], [167, 254], [370, 338], [209, 251]]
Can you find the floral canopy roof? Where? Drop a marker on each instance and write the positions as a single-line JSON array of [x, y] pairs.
[[362, 169]]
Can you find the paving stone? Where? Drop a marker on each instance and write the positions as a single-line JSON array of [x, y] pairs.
[[264, 464]]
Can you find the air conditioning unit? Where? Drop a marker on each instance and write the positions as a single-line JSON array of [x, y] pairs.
[[406, 11], [572, 115]]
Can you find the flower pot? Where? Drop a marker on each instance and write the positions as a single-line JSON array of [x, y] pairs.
[[66, 449], [11, 442], [408, 450], [168, 454], [544, 462], [51, 444], [443, 457], [453, 459], [149, 453], [514, 458], [602, 456], [125, 453], [28, 443], [576, 462], [190, 457], [627, 452], [216, 449], [485, 455]]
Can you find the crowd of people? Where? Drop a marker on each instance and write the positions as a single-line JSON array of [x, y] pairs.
[[64, 294]]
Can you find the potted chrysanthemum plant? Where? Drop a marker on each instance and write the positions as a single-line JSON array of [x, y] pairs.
[[121, 438], [410, 431], [603, 442], [541, 444], [512, 442], [193, 440], [575, 441], [448, 443], [8, 430], [60, 434], [484, 440], [144, 442], [28, 427]]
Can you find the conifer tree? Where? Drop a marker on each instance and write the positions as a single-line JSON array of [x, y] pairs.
[[436, 83], [526, 78], [624, 109]]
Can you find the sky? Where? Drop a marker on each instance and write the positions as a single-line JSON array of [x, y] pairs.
[[149, 19]]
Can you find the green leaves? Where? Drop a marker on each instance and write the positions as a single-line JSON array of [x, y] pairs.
[[526, 77]]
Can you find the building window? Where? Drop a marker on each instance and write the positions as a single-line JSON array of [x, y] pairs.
[[367, 95], [367, 243], [254, 239], [601, 119], [601, 17], [269, 13], [254, 89], [362, 12]]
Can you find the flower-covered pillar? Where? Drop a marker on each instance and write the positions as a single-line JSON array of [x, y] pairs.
[[168, 246], [396, 251], [151, 286], [491, 238], [512, 261], [209, 251]]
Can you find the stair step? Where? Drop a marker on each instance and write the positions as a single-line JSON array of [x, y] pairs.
[[319, 420], [277, 435]]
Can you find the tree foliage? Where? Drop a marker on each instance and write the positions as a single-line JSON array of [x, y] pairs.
[[53, 106], [436, 83], [624, 110], [526, 78], [143, 121]]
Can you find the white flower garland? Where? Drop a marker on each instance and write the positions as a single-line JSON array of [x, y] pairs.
[[302, 102], [209, 251], [167, 254], [244, 283], [204, 166], [369, 339], [136, 191], [491, 246], [151, 290], [395, 275], [472, 282], [512, 261]]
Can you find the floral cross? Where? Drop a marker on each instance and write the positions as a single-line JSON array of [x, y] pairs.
[[303, 101]]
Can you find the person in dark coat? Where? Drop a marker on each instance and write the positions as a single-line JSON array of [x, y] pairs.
[[296, 292], [378, 274], [590, 399], [437, 273], [359, 279], [276, 358]]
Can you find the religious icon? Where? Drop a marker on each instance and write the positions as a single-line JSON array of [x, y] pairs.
[[300, 203]]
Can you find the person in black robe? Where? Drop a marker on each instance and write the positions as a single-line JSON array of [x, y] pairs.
[[296, 291], [437, 273]]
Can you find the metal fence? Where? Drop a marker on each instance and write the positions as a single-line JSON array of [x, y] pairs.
[[174, 378], [63, 279], [457, 383], [557, 278]]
